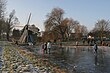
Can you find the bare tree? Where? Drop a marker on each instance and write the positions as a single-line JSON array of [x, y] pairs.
[[80, 30], [2, 8], [55, 20], [84, 30], [58, 24], [71, 26], [77, 28], [2, 14], [11, 21], [102, 26]]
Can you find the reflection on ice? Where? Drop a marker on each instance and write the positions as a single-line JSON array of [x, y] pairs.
[[80, 59]]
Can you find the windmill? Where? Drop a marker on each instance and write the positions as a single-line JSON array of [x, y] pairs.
[[25, 35], [28, 34]]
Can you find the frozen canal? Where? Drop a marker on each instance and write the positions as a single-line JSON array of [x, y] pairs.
[[80, 59]]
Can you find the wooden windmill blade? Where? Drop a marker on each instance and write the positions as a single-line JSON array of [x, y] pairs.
[[27, 27]]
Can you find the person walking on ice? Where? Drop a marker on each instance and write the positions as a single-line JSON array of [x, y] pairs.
[[95, 48], [45, 47], [49, 46], [42, 47]]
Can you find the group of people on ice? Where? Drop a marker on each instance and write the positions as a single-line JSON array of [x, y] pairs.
[[46, 47]]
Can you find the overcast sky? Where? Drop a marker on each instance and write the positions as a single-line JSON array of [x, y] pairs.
[[87, 12]]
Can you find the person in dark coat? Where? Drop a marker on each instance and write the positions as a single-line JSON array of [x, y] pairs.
[[95, 48], [45, 48]]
